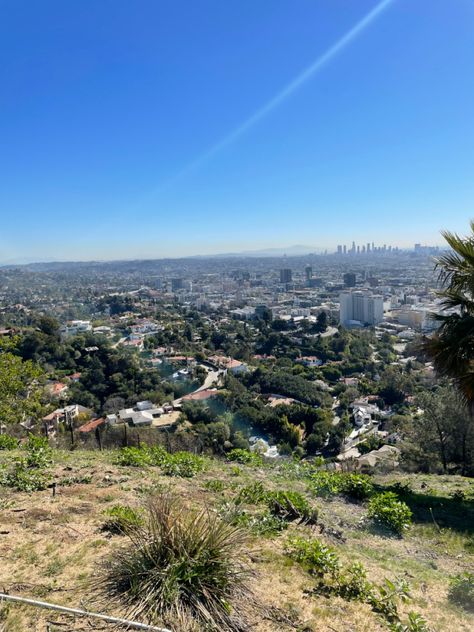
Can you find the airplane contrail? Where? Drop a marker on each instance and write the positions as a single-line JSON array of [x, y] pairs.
[[289, 89]]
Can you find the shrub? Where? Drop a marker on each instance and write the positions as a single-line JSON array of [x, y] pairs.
[[315, 557], [26, 479], [263, 523], [461, 591], [353, 584], [122, 519], [7, 442], [215, 485], [134, 457], [245, 457], [350, 583], [181, 564], [184, 464], [390, 511], [284, 504], [325, 484], [253, 494], [290, 505], [38, 452], [358, 486], [415, 623]]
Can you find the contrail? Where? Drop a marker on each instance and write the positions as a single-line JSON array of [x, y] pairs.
[[289, 89]]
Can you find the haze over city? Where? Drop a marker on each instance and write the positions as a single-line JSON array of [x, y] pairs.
[[180, 128]]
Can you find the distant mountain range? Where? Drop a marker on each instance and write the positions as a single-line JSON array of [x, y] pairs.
[[291, 251]]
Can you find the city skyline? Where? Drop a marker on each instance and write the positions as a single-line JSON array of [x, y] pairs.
[[203, 128]]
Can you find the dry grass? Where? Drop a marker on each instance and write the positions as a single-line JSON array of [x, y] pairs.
[[51, 548]]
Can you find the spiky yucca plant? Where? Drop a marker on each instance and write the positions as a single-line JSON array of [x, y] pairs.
[[182, 565]]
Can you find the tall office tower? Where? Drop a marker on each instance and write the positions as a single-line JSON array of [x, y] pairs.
[[344, 249], [372, 245], [349, 279], [285, 275], [368, 247], [339, 250], [361, 307], [358, 250], [308, 272], [353, 249], [363, 249], [177, 284]]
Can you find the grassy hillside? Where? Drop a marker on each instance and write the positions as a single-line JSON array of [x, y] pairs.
[[56, 547]]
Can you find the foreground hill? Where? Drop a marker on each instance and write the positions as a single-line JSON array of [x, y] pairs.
[[55, 547]]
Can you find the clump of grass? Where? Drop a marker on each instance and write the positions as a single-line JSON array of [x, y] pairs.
[[182, 565], [387, 509], [461, 591], [121, 519]]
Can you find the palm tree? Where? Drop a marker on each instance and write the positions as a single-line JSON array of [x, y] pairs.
[[451, 348]]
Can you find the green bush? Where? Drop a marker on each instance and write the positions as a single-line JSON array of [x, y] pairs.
[[134, 457], [245, 457], [387, 509], [121, 519], [262, 523], [184, 464], [7, 442], [181, 565], [24, 478], [38, 452], [254, 494], [358, 486], [325, 484], [284, 504], [290, 505], [350, 583], [415, 623], [215, 485], [461, 591], [314, 556]]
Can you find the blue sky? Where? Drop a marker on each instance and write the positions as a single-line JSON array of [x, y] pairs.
[[110, 110]]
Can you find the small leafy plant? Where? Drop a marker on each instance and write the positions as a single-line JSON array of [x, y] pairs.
[[357, 486], [387, 509], [7, 442], [26, 479], [245, 457], [38, 452], [461, 591], [134, 457], [121, 519], [315, 557]]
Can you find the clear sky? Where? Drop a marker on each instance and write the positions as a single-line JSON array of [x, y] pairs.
[[154, 128]]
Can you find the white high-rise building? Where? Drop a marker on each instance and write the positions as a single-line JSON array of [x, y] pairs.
[[360, 308]]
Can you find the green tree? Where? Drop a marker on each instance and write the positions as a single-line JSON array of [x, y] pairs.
[[20, 390]]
